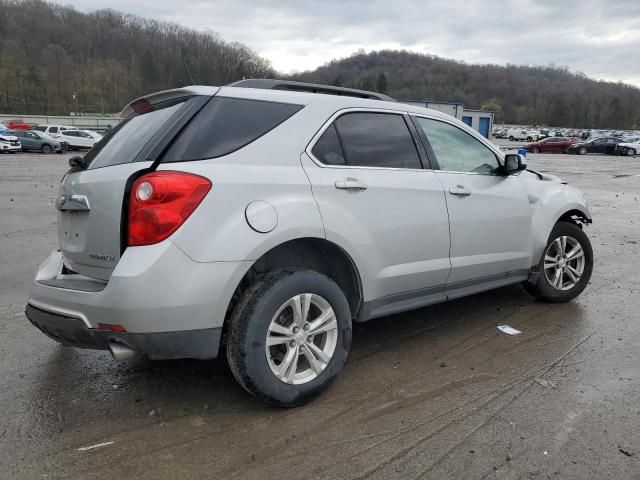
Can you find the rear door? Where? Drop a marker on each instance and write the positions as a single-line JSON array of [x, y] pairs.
[[378, 202], [90, 202]]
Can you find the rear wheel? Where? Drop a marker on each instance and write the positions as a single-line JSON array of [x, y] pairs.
[[289, 336], [46, 148], [566, 265]]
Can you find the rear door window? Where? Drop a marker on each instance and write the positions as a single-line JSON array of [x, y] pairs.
[[225, 125], [372, 139]]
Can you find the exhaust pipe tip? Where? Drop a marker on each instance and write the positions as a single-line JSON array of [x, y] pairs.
[[120, 352]]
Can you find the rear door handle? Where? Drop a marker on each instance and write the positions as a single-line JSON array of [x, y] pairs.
[[350, 184], [460, 190]]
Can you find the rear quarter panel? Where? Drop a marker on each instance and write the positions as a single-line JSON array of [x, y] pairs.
[[267, 170]]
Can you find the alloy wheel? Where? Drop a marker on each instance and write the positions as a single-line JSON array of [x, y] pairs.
[[564, 263], [301, 338]]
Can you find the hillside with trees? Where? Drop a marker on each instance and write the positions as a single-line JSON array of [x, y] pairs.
[[55, 60], [519, 94], [49, 53]]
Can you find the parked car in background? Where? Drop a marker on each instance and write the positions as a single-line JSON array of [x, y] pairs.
[[551, 144], [499, 132], [543, 133], [53, 130], [36, 140], [585, 134], [78, 139], [522, 134], [9, 143], [17, 124], [595, 145], [630, 147]]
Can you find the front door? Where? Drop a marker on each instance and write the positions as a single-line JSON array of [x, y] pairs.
[[489, 213], [378, 202]]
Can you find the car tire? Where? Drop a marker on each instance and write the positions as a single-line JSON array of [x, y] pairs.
[[631, 152], [553, 266], [265, 314], [535, 150], [45, 148], [511, 139], [582, 151]]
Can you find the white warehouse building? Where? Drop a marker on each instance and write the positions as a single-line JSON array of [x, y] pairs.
[[479, 120]]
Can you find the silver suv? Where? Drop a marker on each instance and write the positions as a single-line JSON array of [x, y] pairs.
[[261, 219]]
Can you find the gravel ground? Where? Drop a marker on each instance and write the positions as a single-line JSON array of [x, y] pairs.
[[435, 393]]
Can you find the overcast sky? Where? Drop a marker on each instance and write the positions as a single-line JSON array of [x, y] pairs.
[[597, 37]]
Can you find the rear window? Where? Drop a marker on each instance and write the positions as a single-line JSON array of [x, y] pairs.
[[123, 143], [225, 125]]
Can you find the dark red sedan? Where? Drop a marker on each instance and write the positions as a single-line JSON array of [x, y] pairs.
[[551, 144]]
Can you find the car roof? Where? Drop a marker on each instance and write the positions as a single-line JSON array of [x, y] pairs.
[[339, 102]]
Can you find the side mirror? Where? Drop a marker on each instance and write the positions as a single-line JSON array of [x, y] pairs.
[[513, 163]]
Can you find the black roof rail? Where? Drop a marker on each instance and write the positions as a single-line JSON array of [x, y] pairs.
[[270, 84]]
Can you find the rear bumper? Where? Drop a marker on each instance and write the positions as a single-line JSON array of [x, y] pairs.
[[157, 346], [156, 292]]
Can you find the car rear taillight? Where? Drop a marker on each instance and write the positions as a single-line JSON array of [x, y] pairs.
[[159, 204]]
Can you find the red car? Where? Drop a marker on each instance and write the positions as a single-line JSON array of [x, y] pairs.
[[551, 144], [17, 124]]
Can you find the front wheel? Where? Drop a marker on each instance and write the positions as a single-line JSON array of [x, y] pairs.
[[566, 265], [289, 336], [535, 150], [582, 151], [46, 149], [631, 152]]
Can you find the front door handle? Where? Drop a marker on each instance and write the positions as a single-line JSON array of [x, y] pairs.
[[350, 184], [460, 190]]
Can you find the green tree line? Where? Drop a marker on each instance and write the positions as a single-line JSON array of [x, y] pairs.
[[55, 60], [50, 53], [546, 95]]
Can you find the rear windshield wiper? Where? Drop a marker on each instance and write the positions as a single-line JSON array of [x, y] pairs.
[[78, 164]]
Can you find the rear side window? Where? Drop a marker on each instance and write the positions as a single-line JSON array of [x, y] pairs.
[[371, 140], [328, 149], [225, 125], [123, 143]]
